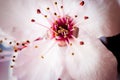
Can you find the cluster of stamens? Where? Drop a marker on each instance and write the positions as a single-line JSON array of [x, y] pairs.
[[62, 29]]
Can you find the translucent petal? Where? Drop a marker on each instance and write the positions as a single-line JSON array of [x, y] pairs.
[[88, 59], [103, 16], [17, 15], [40, 63]]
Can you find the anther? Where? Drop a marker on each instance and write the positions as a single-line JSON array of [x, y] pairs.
[[55, 3], [13, 60], [17, 43], [55, 13], [86, 17], [38, 11], [48, 8], [61, 7], [45, 16], [73, 53], [10, 42], [11, 66], [28, 41], [32, 20], [42, 57], [76, 16], [15, 50], [81, 43], [13, 56], [82, 3], [70, 44], [36, 46]]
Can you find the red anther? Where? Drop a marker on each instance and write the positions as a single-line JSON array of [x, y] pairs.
[[86, 17], [81, 43], [32, 20], [82, 3], [38, 11]]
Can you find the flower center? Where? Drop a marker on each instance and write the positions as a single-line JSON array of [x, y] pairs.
[[62, 29]]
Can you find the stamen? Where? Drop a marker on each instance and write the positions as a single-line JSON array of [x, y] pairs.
[[42, 57], [82, 3], [36, 46], [32, 20], [11, 66], [61, 7], [10, 42], [55, 13], [17, 43], [73, 54], [48, 8], [55, 3], [86, 17], [81, 43], [70, 44], [13, 60], [38, 11], [45, 16], [14, 56], [76, 16]]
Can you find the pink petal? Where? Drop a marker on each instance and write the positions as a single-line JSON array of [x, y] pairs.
[[41, 62], [16, 15], [91, 60], [15, 19]]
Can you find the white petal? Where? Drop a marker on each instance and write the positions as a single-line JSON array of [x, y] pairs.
[[90, 61], [41, 63], [104, 18], [15, 19], [16, 15]]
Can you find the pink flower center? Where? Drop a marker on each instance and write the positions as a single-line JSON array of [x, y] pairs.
[[62, 29]]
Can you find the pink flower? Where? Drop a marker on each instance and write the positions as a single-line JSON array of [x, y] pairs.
[[58, 39]]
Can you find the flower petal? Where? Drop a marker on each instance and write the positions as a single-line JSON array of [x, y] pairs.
[[103, 16], [41, 62], [17, 15], [88, 59]]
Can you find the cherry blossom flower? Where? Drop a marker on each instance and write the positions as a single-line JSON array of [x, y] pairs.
[[58, 39]]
